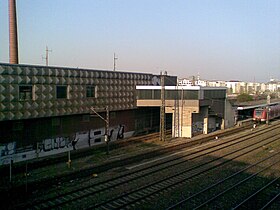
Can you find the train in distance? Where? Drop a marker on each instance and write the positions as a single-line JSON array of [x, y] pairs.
[[261, 114]]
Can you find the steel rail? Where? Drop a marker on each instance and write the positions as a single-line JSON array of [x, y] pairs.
[[219, 182], [256, 193], [270, 202], [61, 202], [144, 195], [235, 185]]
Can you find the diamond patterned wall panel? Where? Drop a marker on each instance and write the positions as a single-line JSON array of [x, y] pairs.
[[112, 88]]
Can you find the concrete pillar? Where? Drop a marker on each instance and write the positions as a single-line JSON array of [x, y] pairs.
[[175, 125], [174, 132], [184, 119], [186, 123], [204, 111], [223, 126]]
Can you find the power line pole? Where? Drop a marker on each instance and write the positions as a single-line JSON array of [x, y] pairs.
[[107, 121], [107, 139], [115, 58], [47, 56], [176, 113], [162, 108], [267, 109]]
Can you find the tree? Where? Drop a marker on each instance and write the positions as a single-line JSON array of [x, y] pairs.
[[244, 97]]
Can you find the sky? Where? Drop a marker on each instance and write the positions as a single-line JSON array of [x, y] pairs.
[[216, 39]]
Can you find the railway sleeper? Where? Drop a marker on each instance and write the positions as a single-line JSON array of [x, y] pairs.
[[98, 188], [87, 191], [69, 197], [121, 201], [133, 197], [156, 187], [43, 205], [110, 206], [118, 203], [52, 203], [61, 199]]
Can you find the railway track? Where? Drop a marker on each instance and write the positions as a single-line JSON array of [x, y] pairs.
[[181, 203], [268, 193], [49, 181], [36, 164], [140, 194], [40, 163]]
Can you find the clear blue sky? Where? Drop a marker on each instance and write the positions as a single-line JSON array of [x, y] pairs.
[[219, 39]]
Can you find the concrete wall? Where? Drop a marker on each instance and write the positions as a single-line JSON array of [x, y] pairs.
[[229, 115]]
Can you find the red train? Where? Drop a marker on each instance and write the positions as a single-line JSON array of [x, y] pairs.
[[260, 114]]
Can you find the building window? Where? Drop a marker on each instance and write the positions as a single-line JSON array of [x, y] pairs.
[[90, 92], [97, 133], [61, 91], [97, 140], [25, 92]]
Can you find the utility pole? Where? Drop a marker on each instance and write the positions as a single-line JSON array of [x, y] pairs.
[[176, 113], [107, 121], [182, 112], [107, 138], [267, 109], [47, 56], [115, 58], [162, 108]]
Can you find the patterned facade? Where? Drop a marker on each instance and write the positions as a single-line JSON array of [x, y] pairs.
[[28, 91]]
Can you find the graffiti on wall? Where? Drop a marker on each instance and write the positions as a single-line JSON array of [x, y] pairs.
[[197, 127], [60, 144], [88, 138], [7, 149], [52, 144]]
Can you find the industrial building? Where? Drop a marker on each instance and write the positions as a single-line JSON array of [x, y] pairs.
[[45, 110], [48, 110], [195, 109]]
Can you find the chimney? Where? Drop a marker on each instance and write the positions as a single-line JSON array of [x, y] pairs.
[[13, 32]]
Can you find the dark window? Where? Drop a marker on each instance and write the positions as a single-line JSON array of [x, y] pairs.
[[190, 94], [25, 92], [144, 94], [157, 94], [171, 94], [61, 91], [259, 112], [91, 91], [97, 133], [97, 140], [214, 94]]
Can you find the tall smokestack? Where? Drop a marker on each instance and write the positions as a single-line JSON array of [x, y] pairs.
[[13, 32]]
